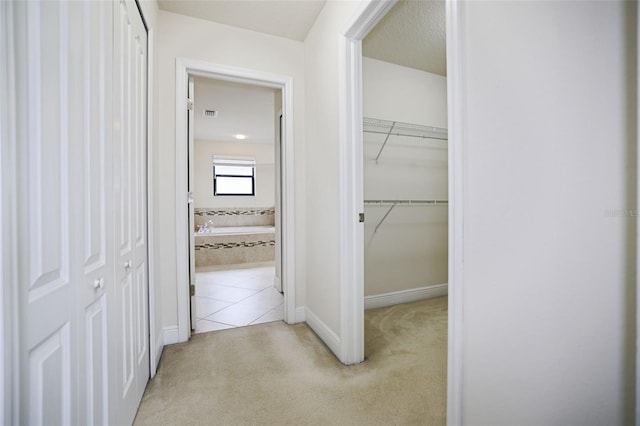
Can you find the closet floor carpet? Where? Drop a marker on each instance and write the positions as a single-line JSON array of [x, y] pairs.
[[277, 374]]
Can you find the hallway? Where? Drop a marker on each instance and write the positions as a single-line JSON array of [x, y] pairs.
[[280, 374]]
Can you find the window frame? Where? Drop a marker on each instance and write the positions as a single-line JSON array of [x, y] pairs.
[[234, 162]]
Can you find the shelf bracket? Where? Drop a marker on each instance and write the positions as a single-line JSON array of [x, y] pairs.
[[384, 217], [385, 141]]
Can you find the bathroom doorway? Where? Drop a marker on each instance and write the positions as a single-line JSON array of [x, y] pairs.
[[234, 169]]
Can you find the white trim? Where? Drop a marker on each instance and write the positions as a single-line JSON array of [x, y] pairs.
[[456, 122], [405, 296], [159, 346], [328, 336], [9, 360], [185, 68], [300, 315], [154, 358], [170, 335], [276, 282], [351, 194]]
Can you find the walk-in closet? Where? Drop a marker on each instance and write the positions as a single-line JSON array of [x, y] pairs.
[[405, 156]]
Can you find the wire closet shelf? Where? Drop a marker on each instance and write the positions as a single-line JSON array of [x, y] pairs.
[[392, 203], [399, 128]]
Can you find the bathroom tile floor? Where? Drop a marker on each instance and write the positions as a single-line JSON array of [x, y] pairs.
[[228, 298]]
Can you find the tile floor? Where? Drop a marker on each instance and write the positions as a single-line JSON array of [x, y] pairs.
[[228, 298]]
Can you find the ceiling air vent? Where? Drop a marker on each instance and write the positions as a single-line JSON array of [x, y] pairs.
[[210, 113]]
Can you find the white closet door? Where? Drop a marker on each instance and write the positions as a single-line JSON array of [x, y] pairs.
[[90, 31], [65, 232], [130, 316], [81, 148], [47, 294]]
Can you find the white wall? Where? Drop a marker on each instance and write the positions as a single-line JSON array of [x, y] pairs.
[[186, 37], [409, 250], [549, 149], [398, 93], [264, 154], [322, 162]]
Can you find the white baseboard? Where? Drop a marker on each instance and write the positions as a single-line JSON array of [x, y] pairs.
[[323, 331], [300, 315], [276, 283], [405, 296], [171, 335], [159, 347]]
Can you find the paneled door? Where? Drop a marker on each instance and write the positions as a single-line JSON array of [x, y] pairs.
[[130, 316], [65, 229], [83, 354], [49, 264], [91, 200]]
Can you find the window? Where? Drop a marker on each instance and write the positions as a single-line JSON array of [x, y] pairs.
[[233, 176]]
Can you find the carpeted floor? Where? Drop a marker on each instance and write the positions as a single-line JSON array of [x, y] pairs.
[[276, 374]]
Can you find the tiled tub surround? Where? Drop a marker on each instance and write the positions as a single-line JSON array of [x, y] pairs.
[[234, 249], [240, 236], [223, 217]]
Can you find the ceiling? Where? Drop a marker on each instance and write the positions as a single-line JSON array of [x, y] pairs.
[[412, 34], [242, 109], [290, 19]]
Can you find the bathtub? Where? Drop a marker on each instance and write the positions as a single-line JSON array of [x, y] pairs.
[[230, 245], [237, 230]]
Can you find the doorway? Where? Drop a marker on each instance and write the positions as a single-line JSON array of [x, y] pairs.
[[405, 147], [234, 210], [352, 153], [284, 206]]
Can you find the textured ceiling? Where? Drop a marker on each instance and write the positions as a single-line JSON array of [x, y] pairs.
[[411, 34], [290, 19], [242, 109]]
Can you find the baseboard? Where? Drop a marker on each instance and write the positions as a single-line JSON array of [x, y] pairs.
[[171, 335], [300, 315], [405, 296], [323, 331], [276, 282], [159, 347]]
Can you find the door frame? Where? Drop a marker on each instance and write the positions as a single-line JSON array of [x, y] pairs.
[[9, 360], [190, 67], [351, 191]]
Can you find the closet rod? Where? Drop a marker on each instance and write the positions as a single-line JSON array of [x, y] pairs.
[[393, 203]]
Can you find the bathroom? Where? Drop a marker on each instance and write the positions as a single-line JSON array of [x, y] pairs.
[[235, 240]]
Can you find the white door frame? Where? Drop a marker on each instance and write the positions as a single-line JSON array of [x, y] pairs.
[[185, 68], [351, 193], [8, 225]]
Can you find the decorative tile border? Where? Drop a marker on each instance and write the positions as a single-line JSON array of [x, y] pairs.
[[229, 245], [235, 212]]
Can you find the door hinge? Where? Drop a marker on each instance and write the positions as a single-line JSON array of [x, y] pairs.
[[361, 217], [192, 290], [189, 104]]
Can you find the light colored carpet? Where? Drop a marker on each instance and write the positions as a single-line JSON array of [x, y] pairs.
[[276, 374]]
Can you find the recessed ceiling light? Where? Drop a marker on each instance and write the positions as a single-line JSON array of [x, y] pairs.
[[240, 136]]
